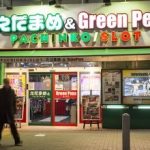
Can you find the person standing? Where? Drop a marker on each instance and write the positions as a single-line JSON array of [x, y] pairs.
[[8, 110]]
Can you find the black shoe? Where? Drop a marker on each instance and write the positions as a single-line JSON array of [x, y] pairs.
[[19, 143]]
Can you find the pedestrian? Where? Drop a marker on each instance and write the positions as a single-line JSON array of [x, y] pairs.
[[8, 110]]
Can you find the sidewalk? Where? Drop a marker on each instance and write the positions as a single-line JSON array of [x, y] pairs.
[[75, 138]]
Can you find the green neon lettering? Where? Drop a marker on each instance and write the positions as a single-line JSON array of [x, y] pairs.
[[13, 38], [74, 37], [44, 38], [86, 37], [63, 37], [24, 39], [34, 39]]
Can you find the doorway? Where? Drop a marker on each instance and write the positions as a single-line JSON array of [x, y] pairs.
[[40, 98], [65, 98]]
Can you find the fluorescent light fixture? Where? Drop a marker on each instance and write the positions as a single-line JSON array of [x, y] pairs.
[[115, 107], [143, 107]]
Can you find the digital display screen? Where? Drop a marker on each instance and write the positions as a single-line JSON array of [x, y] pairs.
[[136, 86]]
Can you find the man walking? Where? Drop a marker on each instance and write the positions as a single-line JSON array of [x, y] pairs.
[[8, 110]]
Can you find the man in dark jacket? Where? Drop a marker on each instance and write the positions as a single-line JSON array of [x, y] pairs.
[[8, 110]]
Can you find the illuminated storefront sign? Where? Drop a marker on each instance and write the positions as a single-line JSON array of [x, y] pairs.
[[54, 22], [85, 37], [96, 29], [24, 23]]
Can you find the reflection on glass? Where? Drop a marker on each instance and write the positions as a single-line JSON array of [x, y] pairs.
[[40, 98], [66, 111], [40, 110], [65, 82]]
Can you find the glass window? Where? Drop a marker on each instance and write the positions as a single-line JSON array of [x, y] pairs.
[[90, 96]]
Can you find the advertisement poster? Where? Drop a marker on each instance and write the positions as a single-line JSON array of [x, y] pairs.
[[111, 86], [18, 83], [91, 107], [90, 83], [40, 98], [85, 82], [136, 86], [90, 96], [19, 108]]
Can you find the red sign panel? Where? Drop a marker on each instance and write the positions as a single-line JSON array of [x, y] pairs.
[[65, 94]]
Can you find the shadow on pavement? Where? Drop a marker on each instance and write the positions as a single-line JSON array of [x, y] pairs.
[[6, 147]]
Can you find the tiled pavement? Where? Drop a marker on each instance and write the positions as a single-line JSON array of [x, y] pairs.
[[76, 139]]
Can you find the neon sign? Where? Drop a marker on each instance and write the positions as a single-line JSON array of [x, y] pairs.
[[52, 27], [33, 23], [85, 37]]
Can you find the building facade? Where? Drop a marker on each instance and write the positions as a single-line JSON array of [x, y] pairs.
[[78, 63]]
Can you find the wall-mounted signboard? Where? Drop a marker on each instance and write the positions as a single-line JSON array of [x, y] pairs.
[[111, 86], [91, 28]]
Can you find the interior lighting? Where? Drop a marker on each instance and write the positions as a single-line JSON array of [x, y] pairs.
[[92, 72], [65, 65], [115, 107], [143, 107]]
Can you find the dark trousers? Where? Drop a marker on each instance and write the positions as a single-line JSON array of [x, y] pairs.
[[14, 131]]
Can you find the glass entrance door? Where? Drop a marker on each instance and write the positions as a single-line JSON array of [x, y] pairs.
[[40, 98], [65, 98]]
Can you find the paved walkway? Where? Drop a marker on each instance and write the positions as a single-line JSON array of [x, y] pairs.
[[75, 139]]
